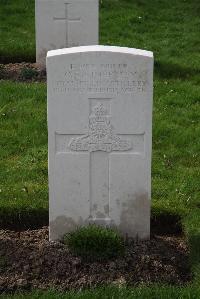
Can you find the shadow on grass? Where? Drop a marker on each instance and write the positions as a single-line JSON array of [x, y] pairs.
[[174, 71], [194, 241], [23, 219], [192, 229], [164, 223], [17, 58]]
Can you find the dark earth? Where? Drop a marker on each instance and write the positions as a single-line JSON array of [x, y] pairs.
[[28, 260], [24, 72]]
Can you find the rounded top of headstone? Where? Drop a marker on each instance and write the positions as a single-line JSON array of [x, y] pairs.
[[100, 48]]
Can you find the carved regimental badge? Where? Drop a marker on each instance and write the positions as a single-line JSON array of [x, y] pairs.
[[101, 136]]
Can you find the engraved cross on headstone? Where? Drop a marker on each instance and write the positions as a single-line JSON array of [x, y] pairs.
[[100, 143], [66, 21]]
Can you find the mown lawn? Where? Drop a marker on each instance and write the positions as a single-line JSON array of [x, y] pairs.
[[156, 292], [23, 151], [17, 30], [171, 30]]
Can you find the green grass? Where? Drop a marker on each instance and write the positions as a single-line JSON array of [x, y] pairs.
[[155, 292], [176, 145], [23, 151], [17, 30], [168, 28], [95, 243]]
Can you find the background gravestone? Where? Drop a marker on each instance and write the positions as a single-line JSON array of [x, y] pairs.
[[63, 24], [100, 126]]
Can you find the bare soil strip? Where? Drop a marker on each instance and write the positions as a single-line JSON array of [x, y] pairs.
[[28, 260]]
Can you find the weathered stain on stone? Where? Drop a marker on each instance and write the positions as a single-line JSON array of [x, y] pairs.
[[106, 209], [95, 207], [135, 216], [118, 201], [100, 214], [106, 222], [62, 225]]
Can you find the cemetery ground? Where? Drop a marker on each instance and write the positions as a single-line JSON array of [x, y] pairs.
[[171, 32]]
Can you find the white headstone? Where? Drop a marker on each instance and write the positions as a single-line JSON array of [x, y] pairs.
[[63, 24], [100, 131]]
